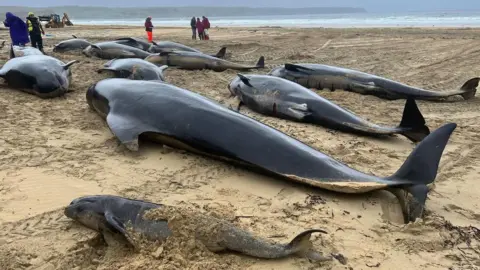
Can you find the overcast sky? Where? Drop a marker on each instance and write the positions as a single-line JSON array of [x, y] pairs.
[[370, 5]]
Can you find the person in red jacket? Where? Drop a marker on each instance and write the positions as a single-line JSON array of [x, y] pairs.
[[206, 25], [200, 28], [149, 28]]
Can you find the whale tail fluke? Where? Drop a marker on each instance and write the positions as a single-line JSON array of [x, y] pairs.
[[413, 122], [470, 88], [419, 170], [302, 245]]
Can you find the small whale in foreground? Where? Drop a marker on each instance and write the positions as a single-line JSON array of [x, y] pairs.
[[117, 215]]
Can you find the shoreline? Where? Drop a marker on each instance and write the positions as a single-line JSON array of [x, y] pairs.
[[237, 27]]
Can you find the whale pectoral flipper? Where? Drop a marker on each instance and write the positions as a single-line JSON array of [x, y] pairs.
[[244, 79], [128, 53], [298, 111], [116, 225], [126, 130]]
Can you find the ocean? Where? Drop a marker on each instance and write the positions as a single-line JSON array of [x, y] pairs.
[[358, 20]]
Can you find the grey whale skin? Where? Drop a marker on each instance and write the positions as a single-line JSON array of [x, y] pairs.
[[169, 46], [111, 50], [133, 68], [162, 46], [109, 214], [70, 45], [282, 98], [182, 119], [198, 61], [319, 76], [41, 75]]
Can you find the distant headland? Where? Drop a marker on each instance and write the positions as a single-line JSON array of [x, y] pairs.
[[92, 13]]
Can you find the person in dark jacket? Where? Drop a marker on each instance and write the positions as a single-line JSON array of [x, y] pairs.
[[35, 30], [18, 29], [193, 25], [200, 28], [149, 28], [206, 25]]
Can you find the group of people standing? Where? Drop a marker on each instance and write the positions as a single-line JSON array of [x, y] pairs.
[[201, 27], [20, 30]]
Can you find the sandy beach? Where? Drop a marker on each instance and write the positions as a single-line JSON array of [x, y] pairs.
[[55, 150]]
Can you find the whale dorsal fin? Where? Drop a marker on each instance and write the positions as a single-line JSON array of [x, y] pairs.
[[221, 53]]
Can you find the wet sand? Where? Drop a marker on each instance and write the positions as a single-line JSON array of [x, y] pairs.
[[53, 151]]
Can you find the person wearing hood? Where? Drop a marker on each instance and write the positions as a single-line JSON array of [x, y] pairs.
[[193, 25], [200, 28], [149, 28], [18, 29], [35, 30], [206, 25]]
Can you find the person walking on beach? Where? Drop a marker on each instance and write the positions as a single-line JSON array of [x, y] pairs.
[[18, 29], [35, 30], [200, 28], [193, 25], [149, 28], [206, 25]]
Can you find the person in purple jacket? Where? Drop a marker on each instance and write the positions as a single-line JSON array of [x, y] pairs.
[[18, 29], [200, 28]]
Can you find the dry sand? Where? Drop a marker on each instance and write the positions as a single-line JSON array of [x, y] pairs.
[[55, 150]]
